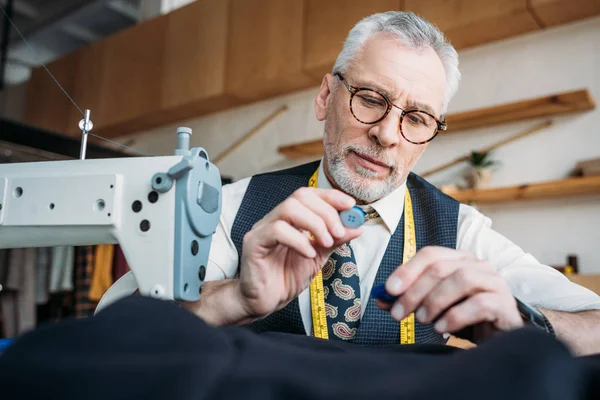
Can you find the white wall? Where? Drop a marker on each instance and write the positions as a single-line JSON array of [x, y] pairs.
[[154, 8], [552, 61], [170, 5]]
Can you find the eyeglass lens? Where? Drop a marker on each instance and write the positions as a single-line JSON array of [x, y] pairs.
[[370, 107]]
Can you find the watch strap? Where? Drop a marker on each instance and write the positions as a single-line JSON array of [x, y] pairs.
[[535, 317]]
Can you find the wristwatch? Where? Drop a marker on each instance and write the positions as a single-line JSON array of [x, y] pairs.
[[535, 317]]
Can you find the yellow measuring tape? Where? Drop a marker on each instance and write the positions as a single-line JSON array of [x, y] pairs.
[[317, 296]]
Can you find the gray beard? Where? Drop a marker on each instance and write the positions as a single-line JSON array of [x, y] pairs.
[[365, 189]]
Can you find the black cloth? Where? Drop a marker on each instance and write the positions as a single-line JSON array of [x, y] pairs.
[[142, 348]]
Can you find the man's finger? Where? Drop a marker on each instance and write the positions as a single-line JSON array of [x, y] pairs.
[[405, 275], [325, 205], [314, 211], [385, 306], [281, 232], [303, 218], [482, 307], [335, 198], [421, 288], [349, 234], [464, 282]]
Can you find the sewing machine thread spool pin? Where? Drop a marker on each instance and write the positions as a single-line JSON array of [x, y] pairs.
[[183, 141], [86, 126]]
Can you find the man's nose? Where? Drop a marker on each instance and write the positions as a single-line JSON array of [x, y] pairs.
[[386, 133]]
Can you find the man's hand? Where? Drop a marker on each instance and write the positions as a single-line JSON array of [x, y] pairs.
[[454, 288], [279, 256]]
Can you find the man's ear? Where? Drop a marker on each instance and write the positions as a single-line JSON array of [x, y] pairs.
[[324, 96]]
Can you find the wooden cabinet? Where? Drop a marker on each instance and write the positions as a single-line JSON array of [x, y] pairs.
[[327, 25], [46, 105], [212, 55], [132, 73], [88, 90], [120, 80], [195, 60], [556, 12], [473, 22], [264, 55], [167, 69]]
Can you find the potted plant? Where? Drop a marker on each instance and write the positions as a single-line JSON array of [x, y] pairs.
[[480, 173]]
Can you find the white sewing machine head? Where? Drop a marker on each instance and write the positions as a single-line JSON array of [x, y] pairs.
[[162, 211]]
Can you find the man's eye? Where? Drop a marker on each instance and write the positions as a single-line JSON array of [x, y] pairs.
[[416, 119], [371, 101]]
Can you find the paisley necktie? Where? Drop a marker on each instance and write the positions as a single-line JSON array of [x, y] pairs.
[[341, 288]]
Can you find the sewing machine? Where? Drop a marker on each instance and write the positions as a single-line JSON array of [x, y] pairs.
[[162, 211]]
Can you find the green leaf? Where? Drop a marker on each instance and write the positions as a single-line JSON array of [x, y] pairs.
[[481, 160]]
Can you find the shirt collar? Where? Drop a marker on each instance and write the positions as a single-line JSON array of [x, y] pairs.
[[390, 207]]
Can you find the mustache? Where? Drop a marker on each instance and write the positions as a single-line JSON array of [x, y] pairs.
[[378, 154]]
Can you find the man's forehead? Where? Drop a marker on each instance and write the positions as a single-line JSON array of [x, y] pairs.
[[391, 89], [387, 86], [408, 77]]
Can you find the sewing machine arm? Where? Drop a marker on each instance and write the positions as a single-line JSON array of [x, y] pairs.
[[162, 211]]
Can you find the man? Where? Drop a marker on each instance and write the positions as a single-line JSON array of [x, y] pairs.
[[382, 105], [144, 347]]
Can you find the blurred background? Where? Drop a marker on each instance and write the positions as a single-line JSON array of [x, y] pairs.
[[523, 144]]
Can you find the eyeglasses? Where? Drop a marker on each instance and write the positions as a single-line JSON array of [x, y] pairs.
[[370, 106]]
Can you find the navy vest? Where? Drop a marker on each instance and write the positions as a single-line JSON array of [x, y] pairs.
[[436, 223]]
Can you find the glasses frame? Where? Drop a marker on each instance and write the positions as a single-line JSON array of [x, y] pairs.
[[441, 124]]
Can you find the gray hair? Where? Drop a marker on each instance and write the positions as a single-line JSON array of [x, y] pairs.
[[414, 32]]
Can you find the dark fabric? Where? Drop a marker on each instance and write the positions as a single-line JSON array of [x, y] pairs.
[[436, 224], [143, 348]]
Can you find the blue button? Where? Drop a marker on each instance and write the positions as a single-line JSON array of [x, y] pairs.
[[378, 292], [353, 218]]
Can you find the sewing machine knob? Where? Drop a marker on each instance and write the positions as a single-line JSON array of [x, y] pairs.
[[162, 182], [208, 197]]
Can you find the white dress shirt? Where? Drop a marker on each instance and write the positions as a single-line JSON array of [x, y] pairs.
[[534, 283]]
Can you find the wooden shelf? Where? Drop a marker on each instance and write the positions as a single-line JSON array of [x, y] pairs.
[[568, 187], [589, 281], [546, 106]]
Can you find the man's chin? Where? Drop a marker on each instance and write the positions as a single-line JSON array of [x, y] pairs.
[[360, 187], [367, 175]]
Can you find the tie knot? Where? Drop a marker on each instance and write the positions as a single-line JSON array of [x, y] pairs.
[[371, 214]]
